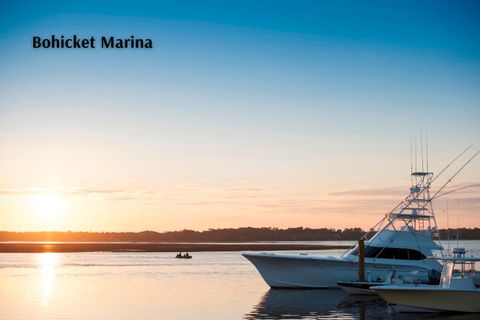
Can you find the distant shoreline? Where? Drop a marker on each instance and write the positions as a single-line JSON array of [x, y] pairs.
[[223, 236], [156, 247]]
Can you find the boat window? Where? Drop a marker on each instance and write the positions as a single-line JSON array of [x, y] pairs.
[[391, 253]]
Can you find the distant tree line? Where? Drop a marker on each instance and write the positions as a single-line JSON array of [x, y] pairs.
[[215, 235]]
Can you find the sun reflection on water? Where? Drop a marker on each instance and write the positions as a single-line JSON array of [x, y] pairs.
[[47, 263]]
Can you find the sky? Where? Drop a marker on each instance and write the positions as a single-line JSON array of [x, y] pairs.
[[245, 113]]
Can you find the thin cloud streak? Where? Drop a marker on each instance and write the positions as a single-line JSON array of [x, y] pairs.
[[78, 191], [396, 191]]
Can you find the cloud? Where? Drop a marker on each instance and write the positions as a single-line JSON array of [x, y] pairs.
[[390, 191], [282, 201], [111, 194], [208, 203], [96, 191], [10, 192], [397, 192]]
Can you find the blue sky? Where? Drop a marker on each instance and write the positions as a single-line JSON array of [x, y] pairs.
[[314, 95]]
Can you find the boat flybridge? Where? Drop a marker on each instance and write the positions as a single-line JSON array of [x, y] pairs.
[[401, 241], [458, 290]]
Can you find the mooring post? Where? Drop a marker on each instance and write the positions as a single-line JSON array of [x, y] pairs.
[[361, 260]]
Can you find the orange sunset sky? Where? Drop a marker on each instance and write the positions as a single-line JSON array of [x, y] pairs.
[[231, 120]]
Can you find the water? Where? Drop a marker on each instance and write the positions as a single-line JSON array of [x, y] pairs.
[[212, 285]]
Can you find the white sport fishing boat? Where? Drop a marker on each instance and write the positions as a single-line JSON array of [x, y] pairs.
[[402, 241], [459, 288]]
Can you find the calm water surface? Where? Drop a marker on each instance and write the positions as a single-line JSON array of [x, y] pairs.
[[212, 285]]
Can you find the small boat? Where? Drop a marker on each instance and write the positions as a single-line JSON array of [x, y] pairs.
[[459, 288], [183, 256]]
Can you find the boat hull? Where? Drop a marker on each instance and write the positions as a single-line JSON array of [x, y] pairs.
[[297, 271], [288, 272], [429, 298]]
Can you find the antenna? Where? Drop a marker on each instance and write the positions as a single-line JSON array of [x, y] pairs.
[[415, 153], [421, 147], [411, 161], [426, 146]]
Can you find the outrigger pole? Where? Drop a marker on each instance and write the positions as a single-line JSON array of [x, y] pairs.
[[451, 162], [456, 173], [458, 189]]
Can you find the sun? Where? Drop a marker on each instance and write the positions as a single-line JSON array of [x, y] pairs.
[[48, 205]]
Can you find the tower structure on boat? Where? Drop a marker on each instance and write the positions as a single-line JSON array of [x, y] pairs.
[[402, 240]]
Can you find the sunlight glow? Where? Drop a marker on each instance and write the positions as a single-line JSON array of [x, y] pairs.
[[47, 205], [47, 263]]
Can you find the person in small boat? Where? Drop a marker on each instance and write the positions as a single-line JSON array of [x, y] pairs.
[[186, 255], [179, 255]]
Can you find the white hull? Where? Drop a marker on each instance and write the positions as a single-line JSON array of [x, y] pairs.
[[431, 298], [297, 271]]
